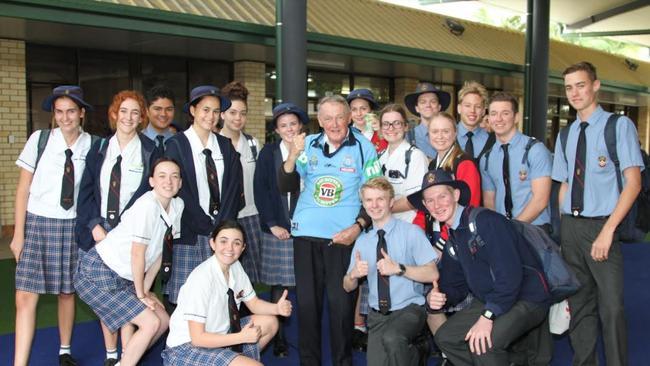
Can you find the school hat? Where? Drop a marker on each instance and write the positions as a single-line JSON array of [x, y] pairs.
[[435, 178], [204, 90], [411, 100], [289, 107], [71, 91], [364, 94]]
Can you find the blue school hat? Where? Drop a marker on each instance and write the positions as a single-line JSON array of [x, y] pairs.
[[365, 94], [205, 90], [289, 107], [73, 92], [411, 100]]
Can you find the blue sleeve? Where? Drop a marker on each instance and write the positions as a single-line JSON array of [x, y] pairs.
[[422, 252], [486, 180], [452, 280], [540, 162], [560, 170], [627, 147]]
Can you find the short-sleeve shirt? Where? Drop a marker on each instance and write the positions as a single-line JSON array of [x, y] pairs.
[[422, 140], [45, 190], [394, 167], [146, 223], [199, 166], [601, 193], [204, 299], [407, 245], [131, 169], [522, 173], [479, 138], [330, 200]]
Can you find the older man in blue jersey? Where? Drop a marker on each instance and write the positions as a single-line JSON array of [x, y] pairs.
[[328, 217]]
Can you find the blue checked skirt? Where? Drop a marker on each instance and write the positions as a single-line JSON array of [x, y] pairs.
[[111, 297], [188, 355], [185, 259], [251, 259], [49, 258], [277, 261]]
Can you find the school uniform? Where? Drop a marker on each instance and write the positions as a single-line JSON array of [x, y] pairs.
[[521, 174], [137, 159], [275, 209], [421, 133], [49, 257], [479, 138], [158, 138], [248, 216], [104, 280], [579, 231], [197, 222], [204, 299]]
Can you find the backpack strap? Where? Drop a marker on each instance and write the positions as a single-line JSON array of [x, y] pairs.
[[407, 160], [531, 142], [475, 241], [42, 142], [252, 145], [487, 158], [564, 136], [410, 135], [610, 142], [492, 138]]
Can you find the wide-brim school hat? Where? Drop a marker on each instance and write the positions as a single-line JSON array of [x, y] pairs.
[[439, 177], [207, 90], [73, 92], [411, 100], [286, 108], [364, 94]]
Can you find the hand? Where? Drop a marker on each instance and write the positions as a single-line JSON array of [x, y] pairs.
[[16, 247], [360, 268], [479, 336], [298, 145], [99, 233], [155, 299], [149, 303], [280, 232], [284, 305], [600, 246], [436, 299], [251, 333], [386, 266], [347, 236]]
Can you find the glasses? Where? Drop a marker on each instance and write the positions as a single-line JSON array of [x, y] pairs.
[[395, 124]]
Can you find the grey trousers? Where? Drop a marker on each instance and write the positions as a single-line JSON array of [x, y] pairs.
[[390, 336], [599, 299]]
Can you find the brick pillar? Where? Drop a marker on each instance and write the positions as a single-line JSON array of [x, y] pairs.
[[405, 86], [13, 125], [252, 75]]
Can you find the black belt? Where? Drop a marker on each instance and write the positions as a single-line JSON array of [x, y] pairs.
[[587, 217], [379, 312]]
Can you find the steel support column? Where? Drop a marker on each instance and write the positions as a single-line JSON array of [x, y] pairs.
[[292, 63]]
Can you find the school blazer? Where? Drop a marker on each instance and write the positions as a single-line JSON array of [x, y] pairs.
[[90, 198], [194, 220]]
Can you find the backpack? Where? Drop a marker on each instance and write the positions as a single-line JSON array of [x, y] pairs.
[[524, 159], [492, 138], [251, 144], [44, 137], [559, 278], [636, 222]]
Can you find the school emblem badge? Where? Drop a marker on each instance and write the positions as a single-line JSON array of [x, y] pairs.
[[327, 191], [602, 161], [523, 174]]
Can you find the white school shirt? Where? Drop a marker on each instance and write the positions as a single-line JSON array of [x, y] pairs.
[[131, 169], [204, 299], [248, 162], [417, 169], [199, 166], [145, 222], [45, 190]]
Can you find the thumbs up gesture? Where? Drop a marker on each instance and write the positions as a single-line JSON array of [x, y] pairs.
[[435, 298], [386, 266], [360, 266], [251, 333], [297, 145], [284, 305]]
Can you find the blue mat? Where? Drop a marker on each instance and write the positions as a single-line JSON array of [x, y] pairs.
[[87, 343]]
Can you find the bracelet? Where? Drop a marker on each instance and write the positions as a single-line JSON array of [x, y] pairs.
[[361, 228]]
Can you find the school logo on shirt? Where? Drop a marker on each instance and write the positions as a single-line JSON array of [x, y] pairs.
[[327, 192], [602, 161], [523, 174]]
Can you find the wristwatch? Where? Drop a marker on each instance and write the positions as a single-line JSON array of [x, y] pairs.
[[402, 270], [488, 314]]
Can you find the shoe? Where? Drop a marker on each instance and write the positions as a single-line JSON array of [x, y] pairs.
[[280, 348], [67, 360], [110, 362], [359, 341]]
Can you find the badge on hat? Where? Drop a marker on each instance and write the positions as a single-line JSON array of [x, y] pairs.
[[602, 161], [431, 178]]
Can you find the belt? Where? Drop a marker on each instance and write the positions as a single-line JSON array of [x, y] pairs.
[[379, 312], [587, 217]]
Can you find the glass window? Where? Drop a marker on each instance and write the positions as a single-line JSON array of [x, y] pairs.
[[380, 87], [168, 71], [327, 83], [51, 65]]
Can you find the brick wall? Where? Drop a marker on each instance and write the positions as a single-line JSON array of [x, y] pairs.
[[252, 75], [13, 130]]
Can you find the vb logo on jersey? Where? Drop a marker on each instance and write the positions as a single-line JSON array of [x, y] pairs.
[[327, 192]]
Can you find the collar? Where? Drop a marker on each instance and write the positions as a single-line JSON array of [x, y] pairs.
[[462, 130], [516, 138], [597, 116], [321, 142], [390, 225], [150, 132], [455, 221]]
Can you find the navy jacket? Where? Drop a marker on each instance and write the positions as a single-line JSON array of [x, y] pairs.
[[90, 198], [502, 270], [273, 206], [194, 220]]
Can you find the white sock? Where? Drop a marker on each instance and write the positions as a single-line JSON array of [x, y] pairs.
[[361, 328], [64, 349], [111, 353]]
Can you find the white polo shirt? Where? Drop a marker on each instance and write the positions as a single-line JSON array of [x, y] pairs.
[[132, 169], [45, 190], [204, 299], [145, 222], [248, 169], [396, 161], [199, 166]]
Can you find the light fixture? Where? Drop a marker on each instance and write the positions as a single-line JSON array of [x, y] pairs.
[[631, 64], [454, 27], [310, 78]]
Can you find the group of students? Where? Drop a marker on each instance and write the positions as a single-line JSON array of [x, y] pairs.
[[369, 203]]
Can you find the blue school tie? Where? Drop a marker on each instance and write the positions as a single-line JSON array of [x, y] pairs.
[[67, 183]]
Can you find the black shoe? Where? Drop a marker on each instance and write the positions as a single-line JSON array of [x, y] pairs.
[[280, 348], [67, 360], [110, 362], [359, 340]]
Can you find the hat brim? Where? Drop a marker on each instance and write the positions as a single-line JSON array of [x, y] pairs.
[[48, 103], [224, 102], [302, 116], [415, 199], [411, 100]]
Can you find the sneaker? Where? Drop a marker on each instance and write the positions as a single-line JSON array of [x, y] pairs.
[[67, 360], [110, 362], [359, 341]]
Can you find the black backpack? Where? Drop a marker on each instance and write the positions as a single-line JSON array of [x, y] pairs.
[[636, 223]]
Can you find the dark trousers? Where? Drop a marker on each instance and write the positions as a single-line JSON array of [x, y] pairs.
[[390, 336], [524, 322], [599, 298], [318, 268]]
